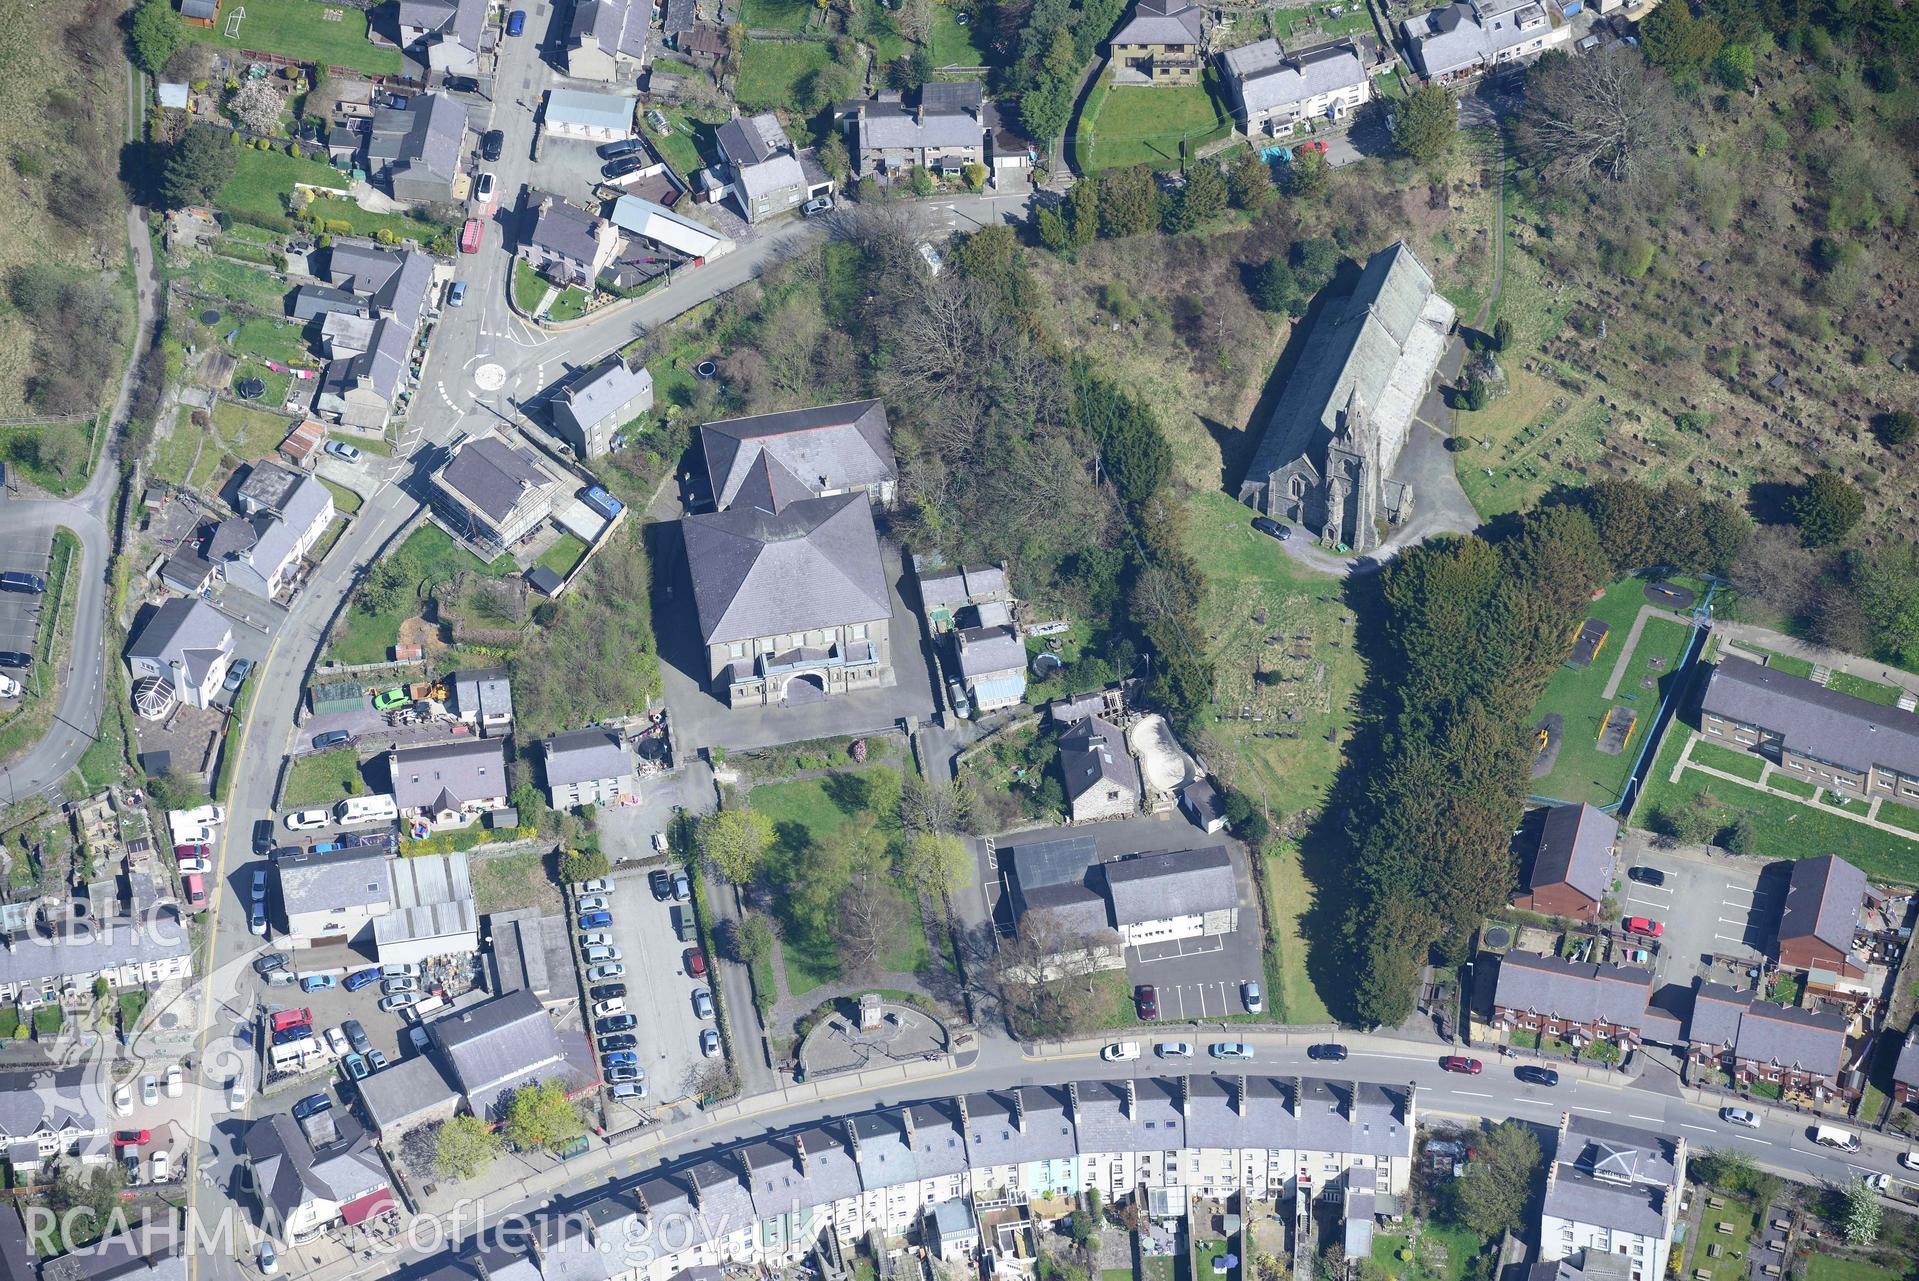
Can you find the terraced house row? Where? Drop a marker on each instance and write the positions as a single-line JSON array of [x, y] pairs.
[[775, 1200]]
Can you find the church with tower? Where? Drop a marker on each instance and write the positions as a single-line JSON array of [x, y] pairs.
[[1326, 458]]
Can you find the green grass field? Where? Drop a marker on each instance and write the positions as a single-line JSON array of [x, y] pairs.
[[1582, 772], [1144, 124], [803, 813], [686, 147], [1317, 23], [1730, 1263], [777, 15], [1826, 1267], [771, 70], [322, 778], [1441, 1252], [1785, 828], [262, 180], [236, 282], [563, 555], [953, 45], [427, 557], [238, 433], [1288, 897], [304, 30], [1742, 764], [1860, 687], [344, 499], [365, 222]]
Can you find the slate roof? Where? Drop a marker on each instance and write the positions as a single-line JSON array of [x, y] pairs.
[[1092, 753], [426, 133], [1354, 355], [484, 692], [290, 1174], [402, 1091], [987, 651], [1814, 720], [1583, 992], [810, 564], [105, 945], [1807, 1040], [491, 475], [38, 1101], [883, 126], [275, 538], [179, 628], [310, 302], [466, 770], [584, 754], [616, 25], [1162, 22], [1906, 1070], [1154, 887], [458, 20], [751, 140], [1576, 849], [1584, 1265], [952, 588], [353, 877], [1267, 78], [603, 391], [948, 96], [939, 1143], [1716, 1009], [881, 1149], [497, 1046], [844, 446], [1611, 1176], [127, 1256], [585, 109], [1823, 900], [565, 231]]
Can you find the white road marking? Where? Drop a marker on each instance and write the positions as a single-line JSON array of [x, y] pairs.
[[1635, 1116], [1597, 1111], [1706, 1128], [1468, 1094]]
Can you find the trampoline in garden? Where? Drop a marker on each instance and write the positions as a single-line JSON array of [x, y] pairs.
[[707, 369], [251, 388], [211, 316], [1586, 645]]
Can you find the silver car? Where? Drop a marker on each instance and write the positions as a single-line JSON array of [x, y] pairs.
[[601, 952], [1740, 1116], [603, 973]]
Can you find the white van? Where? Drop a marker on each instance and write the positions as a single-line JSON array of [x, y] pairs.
[[355, 810], [1833, 1137]]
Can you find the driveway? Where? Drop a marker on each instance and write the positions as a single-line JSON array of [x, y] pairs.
[[1711, 905]]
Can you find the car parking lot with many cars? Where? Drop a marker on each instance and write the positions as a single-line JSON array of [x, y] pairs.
[[661, 998]]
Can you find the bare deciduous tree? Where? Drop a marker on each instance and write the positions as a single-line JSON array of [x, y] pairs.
[[1044, 977], [1606, 116], [871, 917]]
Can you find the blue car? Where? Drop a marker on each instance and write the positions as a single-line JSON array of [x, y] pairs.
[[516, 22], [355, 1067], [595, 920], [310, 1105], [623, 1058], [362, 978], [317, 983]]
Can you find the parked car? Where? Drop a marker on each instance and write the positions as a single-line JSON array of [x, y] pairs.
[[356, 1035], [262, 837], [599, 939], [609, 1008], [1174, 1049], [343, 451], [598, 885], [399, 1001], [516, 22], [602, 972], [355, 1066], [195, 866], [318, 983], [1120, 1051], [307, 820], [1459, 1063], [132, 1138], [483, 189], [311, 1105], [257, 919], [661, 883], [695, 962], [682, 886], [1740, 1116], [626, 1088], [162, 1165], [817, 206], [623, 1058], [389, 986], [619, 147], [1254, 999], [615, 1023], [185, 852], [594, 955], [593, 903], [595, 920], [1272, 528], [1643, 925], [492, 144], [710, 1043], [1646, 875], [608, 992], [388, 699], [1536, 1075], [1230, 1050], [18, 580], [622, 167], [332, 738], [123, 1100], [1146, 1001], [1327, 1052], [257, 888], [376, 1060], [267, 962], [266, 1259], [622, 1041], [702, 1003], [237, 675], [456, 294], [337, 1042], [399, 970], [418, 1037], [361, 979], [14, 658]]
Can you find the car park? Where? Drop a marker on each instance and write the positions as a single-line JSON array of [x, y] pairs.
[[595, 920], [1643, 926], [356, 1036], [1646, 875], [611, 971], [311, 1105], [1462, 1064], [341, 450], [317, 983], [307, 820], [1536, 1075], [399, 1001], [332, 738], [1146, 1001], [1740, 1116], [710, 1043], [1120, 1051], [1326, 1052], [361, 979], [702, 1003]]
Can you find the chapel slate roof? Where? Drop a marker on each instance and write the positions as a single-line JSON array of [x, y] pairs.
[[1154, 887], [810, 564], [825, 447]]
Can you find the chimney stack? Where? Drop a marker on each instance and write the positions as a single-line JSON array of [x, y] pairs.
[[1132, 1099], [1239, 1095], [1019, 1110]]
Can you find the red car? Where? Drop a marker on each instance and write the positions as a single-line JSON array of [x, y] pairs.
[[695, 962], [1641, 925], [1458, 1063], [132, 1138], [192, 851], [1146, 1001], [196, 890], [285, 1019], [1317, 144]]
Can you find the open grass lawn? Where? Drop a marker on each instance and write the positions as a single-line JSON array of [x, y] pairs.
[[1784, 782], [1740, 764], [954, 45], [1582, 772], [1785, 828], [276, 340], [777, 15], [1827, 1267], [262, 180], [344, 499], [302, 29], [1782, 662], [681, 146], [58, 457], [427, 557], [529, 286], [322, 778], [1145, 124], [570, 305], [1318, 23], [239, 434], [222, 278], [365, 222], [1209, 1249], [1730, 1263], [563, 555], [1860, 687], [770, 71], [1440, 1252], [1898, 815], [32, 713], [1288, 896], [803, 813]]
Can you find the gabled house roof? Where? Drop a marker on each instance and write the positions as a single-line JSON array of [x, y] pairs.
[[584, 109], [289, 1173], [463, 770], [588, 399], [751, 140], [1812, 719], [565, 231], [618, 26], [1823, 899], [425, 134], [1576, 850], [582, 755], [187, 631], [803, 565], [1611, 1176], [497, 1046], [988, 651], [825, 447], [1154, 887], [354, 877], [1162, 22], [1805, 1040], [1092, 753], [1581, 992], [491, 476], [1268, 78], [1906, 1070]]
